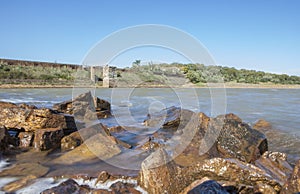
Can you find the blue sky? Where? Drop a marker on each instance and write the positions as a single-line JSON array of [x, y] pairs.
[[251, 34]]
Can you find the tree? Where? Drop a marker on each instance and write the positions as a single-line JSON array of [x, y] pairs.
[[136, 63]]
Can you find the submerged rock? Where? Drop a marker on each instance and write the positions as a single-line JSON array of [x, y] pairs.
[[18, 184], [48, 138], [262, 124]]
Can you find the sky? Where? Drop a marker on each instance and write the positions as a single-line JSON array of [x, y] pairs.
[[250, 34]]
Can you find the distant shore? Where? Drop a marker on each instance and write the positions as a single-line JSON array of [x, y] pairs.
[[190, 85]]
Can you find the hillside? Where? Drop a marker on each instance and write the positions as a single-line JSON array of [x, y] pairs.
[[29, 73]]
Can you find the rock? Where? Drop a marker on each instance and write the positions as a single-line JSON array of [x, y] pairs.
[[173, 117], [103, 177], [262, 124], [26, 106], [24, 169], [158, 176], [238, 139], [85, 106], [7, 105], [97, 146], [4, 139], [77, 138], [69, 186], [48, 138], [276, 165], [26, 139], [292, 185], [71, 141], [18, 184], [125, 188], [209, 186], [32, 119]]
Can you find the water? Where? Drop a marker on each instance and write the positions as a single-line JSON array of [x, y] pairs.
[[281, 107]]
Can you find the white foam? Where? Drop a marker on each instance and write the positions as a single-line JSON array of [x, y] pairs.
[[6, 180], [40, 185], [3, 164]]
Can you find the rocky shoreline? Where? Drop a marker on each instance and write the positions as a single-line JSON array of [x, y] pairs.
[[177, 151]]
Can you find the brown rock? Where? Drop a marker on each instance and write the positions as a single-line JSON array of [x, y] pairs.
[[125, 188], [24, 169], [159, 176], [18, 184], [293, 183], [276, 165], [71, 141], [262, 124], [103, 177], [238, 140], [4, 139], [46, 139], [85, 106], [7, 105], [26, 106], [97, 146], [69, 186], [26, 139], [32, 119]]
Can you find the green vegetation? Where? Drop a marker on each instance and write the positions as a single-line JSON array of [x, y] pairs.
[[199, 73], [149, 74], [35, 74]]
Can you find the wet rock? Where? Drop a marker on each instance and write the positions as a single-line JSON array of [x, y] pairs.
[[238, 139], [210, 186], [157, 175], [276, 165], [48, 138], [103, 177], [24, 169], [97, 146], [71, 141], [263, 188], [77, 138], [173, 117], [293, 183], [85, 106], [69, 186], [127, 188], [32, 119], [26, 139], [18, 184], [4, 139]]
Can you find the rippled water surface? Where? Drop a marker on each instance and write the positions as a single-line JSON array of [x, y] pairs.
[[281, 107]]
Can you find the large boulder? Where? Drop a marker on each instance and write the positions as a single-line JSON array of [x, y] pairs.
[[157, 175], [33, 119], [293, 183], [85, 107], [237, 139]]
